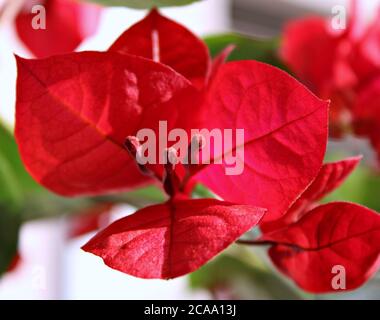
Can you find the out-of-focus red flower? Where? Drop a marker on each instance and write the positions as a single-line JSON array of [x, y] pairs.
[[366, 113], [68, 23], [341, 65]]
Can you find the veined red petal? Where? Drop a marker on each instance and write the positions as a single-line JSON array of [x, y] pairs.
[[74, 111], [285, 135], [172, 239], [161, 39], [68, 23], [337, 236]]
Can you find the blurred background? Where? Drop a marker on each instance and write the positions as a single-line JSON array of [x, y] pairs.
[[51, 264]]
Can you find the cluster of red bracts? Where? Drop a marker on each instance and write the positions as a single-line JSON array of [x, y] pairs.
[[75, 111], [343, 66]]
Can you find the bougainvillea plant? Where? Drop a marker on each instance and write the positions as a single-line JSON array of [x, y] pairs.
[[345, 68], [50, 27], [77, 117]]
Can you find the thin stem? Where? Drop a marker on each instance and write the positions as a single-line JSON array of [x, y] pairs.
[[255, 242], [286, 244], [272, 243]]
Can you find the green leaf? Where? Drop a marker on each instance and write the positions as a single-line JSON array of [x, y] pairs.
[[247, 48], [9, 229], [201, 191], [143, 4]]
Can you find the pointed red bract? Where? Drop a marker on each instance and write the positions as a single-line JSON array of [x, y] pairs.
[[172, 239], [161, 39], [328, 238], [220, 60], [285, 134], [72, 121], [329, 178], [68, 23]]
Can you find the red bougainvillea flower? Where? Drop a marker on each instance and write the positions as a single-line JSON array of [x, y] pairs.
[[343, 66], [310, 243], [68, 23], [76, 129]]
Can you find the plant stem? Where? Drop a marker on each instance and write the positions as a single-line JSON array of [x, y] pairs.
[[255, 242]]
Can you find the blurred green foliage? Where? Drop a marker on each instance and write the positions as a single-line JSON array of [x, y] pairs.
[[247, 48], [9, 228], [15, 182]]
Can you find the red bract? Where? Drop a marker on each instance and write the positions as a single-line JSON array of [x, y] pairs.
[[337, 239], [312, 241], [76, 129], [284, 139], [72, 122], [163, 40], [68, 23], [220, 60], [172, 239], [340, 66]]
